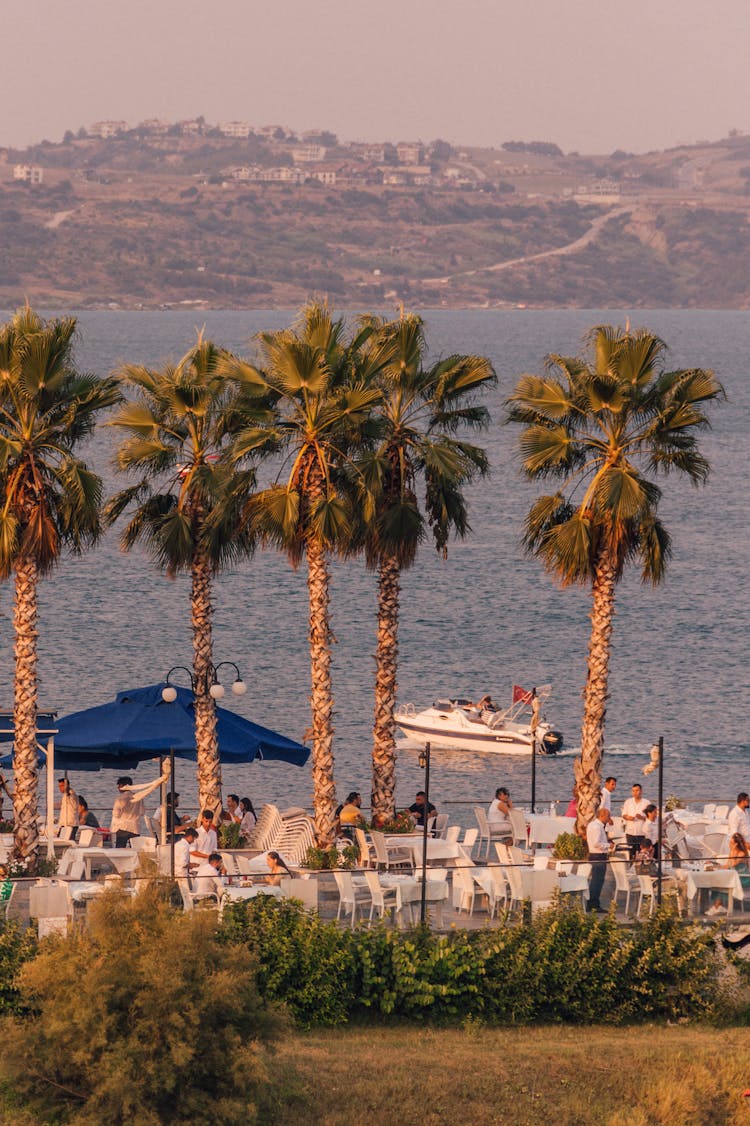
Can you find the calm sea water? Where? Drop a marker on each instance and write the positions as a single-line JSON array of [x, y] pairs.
[[486, 618]]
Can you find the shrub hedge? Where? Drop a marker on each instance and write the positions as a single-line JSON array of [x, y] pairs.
[[564, 965]]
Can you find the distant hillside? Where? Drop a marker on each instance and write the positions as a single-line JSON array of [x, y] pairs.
[[160, 216]]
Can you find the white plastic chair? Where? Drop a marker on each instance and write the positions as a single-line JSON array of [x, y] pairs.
[[647, 890], [721, 812], [499, 889], [544, 884], [441, 824], [388, 856], [452, 833], [382, 899], [709, 810], [626, 882], [518, 824], [718, 843], [470, 839], [351, 895], [367, 857], [465, 889], [484, 829]]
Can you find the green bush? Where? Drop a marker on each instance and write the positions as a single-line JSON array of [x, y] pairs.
[[301, 960], [144, 1017], [16, 947], [564, 965], [569, 846]]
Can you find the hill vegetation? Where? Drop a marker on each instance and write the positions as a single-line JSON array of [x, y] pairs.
[[163, 216]]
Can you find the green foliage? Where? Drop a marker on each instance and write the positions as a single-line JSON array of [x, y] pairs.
[[326, 859], [562, 966], [142, 1018], [229, 835], [16, 948], [401, 822], [301, 960], [569, 846]]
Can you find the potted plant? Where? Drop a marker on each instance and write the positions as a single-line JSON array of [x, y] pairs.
[[569, 846]]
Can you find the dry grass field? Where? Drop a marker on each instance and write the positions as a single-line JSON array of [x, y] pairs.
[[646, 1076]]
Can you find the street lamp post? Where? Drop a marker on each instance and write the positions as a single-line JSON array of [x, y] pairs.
[[212, 687], [424, 762]]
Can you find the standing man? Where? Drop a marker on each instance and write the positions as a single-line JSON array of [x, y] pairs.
[[634, 816], [127, 810], [609, 787], [182, 847], [599, 847], [206, 842], [739, 819]]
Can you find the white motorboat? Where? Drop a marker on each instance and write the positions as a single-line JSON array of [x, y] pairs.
[[460, 724]]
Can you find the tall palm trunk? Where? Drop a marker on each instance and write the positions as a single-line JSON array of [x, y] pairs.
[[321, 699], [386, 658], [588, 767], [206, 741], [26, 796]]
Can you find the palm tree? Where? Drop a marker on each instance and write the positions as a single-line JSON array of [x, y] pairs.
[[421, 410], [186, 506], [605, 426], [323, 385], [49, 500]]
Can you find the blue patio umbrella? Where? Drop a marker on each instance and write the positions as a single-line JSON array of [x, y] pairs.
[[138, 724]]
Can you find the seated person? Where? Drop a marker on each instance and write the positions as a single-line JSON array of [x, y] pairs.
[[486, 704], [175, 820], [349, 815], [277, 869], [210, 877], [739, 858], [85, 816], [417, 809], [498, 816]]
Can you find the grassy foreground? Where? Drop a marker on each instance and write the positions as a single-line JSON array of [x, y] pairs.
[[615, 1077]]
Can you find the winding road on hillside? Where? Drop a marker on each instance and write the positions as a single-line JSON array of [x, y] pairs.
[[556, 252]]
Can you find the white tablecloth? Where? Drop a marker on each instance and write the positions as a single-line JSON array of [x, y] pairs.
[[123, 860], [234, 892], [726, 879], [409, 890], [437, 849], [545, 829]]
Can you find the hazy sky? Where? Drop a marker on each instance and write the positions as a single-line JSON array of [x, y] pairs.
[[592, 75]]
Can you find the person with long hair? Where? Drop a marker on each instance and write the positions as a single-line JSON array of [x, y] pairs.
[[277, 869], [249, 817]]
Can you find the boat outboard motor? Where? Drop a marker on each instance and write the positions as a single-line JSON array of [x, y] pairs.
[[551, 743]]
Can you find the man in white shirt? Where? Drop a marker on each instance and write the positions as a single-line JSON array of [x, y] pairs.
[[739, 819], [206, 842], [598, 847], [182, 846], [68, 816], [209, 879], [609, 787], [634, 816], [127, 810]]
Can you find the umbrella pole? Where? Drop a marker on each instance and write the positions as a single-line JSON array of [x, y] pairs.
[[163, 805], [50, 798], [171, 790]]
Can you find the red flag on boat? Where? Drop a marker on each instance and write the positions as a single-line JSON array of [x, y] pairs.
[[520, 695]]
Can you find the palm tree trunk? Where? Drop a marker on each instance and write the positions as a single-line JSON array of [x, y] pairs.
[[588, 767], [386, 658], [26, 796], [206, 741], [321, 699]]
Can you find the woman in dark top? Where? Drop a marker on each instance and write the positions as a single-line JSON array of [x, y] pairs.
[[85, 816]]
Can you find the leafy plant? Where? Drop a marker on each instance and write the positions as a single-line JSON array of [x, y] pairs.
[[230, 835], [673, 802], [327, 859], [569, 846], [112, 1035], [16, 947], [403, 822], [6, 825]]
